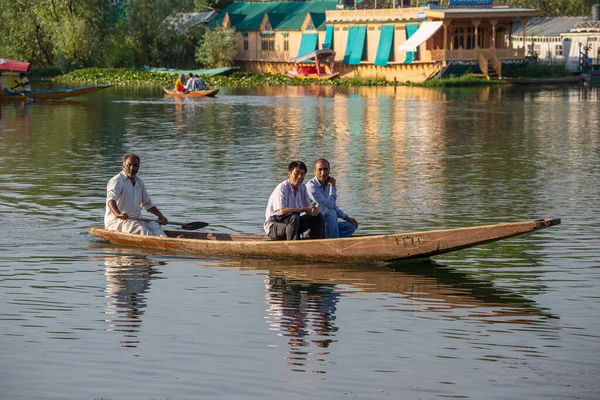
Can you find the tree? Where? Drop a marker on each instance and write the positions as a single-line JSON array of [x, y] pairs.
[[44, 31], [217, 49]]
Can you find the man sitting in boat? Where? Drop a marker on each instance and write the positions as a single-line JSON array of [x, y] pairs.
[[126, 196], [22, 85], [289, 212], [190, 86], [180, 84], [199, 83], [323, 192]]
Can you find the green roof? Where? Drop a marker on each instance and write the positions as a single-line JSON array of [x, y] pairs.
[[282, 15]]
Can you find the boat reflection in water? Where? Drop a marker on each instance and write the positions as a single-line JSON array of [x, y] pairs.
[[127, 279], [303, 299], [305, 313]]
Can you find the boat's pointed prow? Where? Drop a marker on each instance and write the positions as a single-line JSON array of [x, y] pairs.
[[549, 222]]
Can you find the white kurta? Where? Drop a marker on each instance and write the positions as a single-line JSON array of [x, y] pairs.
[[131, 199]]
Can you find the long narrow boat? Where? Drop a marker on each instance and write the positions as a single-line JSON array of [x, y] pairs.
[[546, 81], [50, 94], [197, 93], [366, 248]]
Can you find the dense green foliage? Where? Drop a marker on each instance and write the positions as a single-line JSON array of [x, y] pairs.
[[245, 79], [218, 48], [556, 8], [71, 34]]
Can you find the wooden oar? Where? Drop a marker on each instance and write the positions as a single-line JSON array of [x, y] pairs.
[[190, 226]]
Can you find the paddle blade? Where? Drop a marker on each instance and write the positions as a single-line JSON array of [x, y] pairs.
[[192, 226]]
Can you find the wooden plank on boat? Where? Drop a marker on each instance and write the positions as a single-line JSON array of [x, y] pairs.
[[366, 248]]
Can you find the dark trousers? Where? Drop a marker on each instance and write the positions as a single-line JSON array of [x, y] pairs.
[[291, 226]]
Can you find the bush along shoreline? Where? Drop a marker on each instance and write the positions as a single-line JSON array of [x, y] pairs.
[[247, 79]]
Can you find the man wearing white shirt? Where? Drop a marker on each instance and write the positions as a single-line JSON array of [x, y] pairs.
[[289, 212], [126, 196], [191, 84]]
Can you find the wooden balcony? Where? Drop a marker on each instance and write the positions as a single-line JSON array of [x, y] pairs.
[[472, 55]]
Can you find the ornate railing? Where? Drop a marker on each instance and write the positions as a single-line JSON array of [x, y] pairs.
[[587, 25], [471, 54]]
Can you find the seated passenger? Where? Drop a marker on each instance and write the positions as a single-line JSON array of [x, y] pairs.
[[180, 84], [323, 192], [289, 212], [199, 83]]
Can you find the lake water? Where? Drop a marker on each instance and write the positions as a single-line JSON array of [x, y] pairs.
[[84, 319]]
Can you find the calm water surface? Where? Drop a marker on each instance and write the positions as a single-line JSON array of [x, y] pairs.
[[83, 319]]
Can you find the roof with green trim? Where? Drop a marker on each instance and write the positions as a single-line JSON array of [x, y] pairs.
[[282, 15]]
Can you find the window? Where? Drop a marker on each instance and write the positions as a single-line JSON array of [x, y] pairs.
[[268, 44], [365, 53], [286, 44], [245, 43], [559, 50]]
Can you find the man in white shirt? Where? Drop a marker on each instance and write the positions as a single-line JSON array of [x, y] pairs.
[[191, 84], [289, 212], [126, 196]]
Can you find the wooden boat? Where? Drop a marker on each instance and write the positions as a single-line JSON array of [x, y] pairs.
[[16, 66], [366, 248], [320, 65], [50, 94], [545, 81], [198, 93]]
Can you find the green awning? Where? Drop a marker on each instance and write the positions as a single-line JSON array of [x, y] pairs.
[[355, 45], [410, 30], [386, 39], [328, 37], [308, 43]]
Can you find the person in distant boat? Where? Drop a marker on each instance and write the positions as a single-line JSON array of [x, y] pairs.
[[199, 83], [289, 212], [323, 192], [22, 84], [126, 196], [190, 85], [180, 84]]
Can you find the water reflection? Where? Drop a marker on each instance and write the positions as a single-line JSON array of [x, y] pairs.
[[127, 280], [303, 312], [303, 300]]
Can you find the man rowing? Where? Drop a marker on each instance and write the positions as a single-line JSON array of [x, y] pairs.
[[289, 212], [126, 196]]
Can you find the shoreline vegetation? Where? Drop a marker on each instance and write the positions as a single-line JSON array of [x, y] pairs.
[[123, 76], [247, 79]]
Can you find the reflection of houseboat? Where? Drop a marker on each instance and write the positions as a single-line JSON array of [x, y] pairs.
[[369, 42], [317, 64]]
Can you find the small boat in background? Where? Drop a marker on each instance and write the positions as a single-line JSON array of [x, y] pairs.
[[317, 64], [15, 66], [197, 93], [55, 94], [367, 248]]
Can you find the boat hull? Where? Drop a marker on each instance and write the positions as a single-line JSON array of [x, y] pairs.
[[367, 248], [545, 81], [52, 94], [297, 75], [200, 93]]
